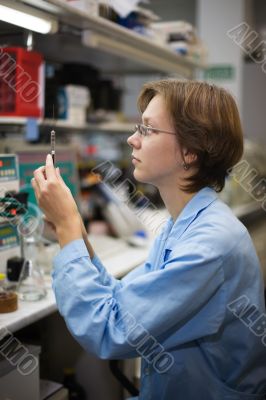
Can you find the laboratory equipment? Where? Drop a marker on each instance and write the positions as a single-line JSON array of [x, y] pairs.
[[31, 285], [53, 145], [9, 244], [14, 233], [21, 93], [52, 141], [9, 184], [8, 301], [32, 157], [13, 268]]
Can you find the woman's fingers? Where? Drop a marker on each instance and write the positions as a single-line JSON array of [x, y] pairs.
[[35, 188], [40, 177], [50, 169], [51, 225], [58, 174], [45, 219], [53, 196], [61, 180]]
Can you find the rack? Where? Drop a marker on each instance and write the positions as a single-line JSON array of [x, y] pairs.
[[129, 51], [110, 48]]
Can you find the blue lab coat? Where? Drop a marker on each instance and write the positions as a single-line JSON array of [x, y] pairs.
[[194, 311]]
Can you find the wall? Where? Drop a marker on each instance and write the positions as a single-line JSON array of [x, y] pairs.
[[259, 12], [167, 10], [170, 10], [132, 85], [214, 19], [254, 100]]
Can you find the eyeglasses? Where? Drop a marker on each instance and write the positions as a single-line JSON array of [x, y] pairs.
[[144, 130]]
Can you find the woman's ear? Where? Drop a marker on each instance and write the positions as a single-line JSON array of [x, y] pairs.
[[189, 157]]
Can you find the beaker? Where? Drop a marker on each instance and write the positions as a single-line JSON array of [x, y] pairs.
[[31, 285]]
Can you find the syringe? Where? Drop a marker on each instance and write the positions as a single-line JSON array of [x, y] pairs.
[[53, 145]]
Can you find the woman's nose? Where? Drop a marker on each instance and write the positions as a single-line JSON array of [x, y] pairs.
[[133, 140]]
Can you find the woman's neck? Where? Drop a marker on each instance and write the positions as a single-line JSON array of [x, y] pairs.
[[174, 199]]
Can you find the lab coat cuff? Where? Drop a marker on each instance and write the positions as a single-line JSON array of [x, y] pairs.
[[70, 252]]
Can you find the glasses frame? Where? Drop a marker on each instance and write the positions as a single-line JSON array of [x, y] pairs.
[[139, 128]]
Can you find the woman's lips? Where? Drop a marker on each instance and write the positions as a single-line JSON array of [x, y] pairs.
[[135, 160]]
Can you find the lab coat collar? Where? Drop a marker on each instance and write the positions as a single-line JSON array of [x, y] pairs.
[[199, 201]]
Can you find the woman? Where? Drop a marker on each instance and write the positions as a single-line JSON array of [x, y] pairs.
[[195, 310]]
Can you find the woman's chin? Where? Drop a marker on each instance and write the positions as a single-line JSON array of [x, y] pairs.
[[138, 175]]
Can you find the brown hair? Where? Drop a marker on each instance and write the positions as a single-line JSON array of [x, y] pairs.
[[207, 124]]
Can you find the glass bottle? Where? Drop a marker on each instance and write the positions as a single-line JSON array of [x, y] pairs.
[[31, 285]]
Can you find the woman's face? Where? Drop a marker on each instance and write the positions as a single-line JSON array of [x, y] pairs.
[[159, 158]]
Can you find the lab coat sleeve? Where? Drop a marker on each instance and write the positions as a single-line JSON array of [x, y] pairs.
[[139, 270], [105, 276], [109, 318]]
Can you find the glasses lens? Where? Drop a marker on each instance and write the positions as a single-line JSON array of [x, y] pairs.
[[138, 128], [143, 130]]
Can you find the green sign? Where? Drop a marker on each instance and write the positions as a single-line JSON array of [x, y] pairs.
[[219, 72]]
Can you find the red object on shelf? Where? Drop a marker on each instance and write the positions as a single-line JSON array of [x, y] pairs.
[[21, 82]]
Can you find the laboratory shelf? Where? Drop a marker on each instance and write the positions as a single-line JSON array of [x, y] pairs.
[[13, 120], [118, 127], [131, 51], [102, 126]]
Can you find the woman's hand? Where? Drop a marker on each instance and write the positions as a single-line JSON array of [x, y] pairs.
[[49, 231], [84, 234], [57, 203]]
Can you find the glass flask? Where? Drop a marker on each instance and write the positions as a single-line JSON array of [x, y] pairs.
[[31, 285]]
